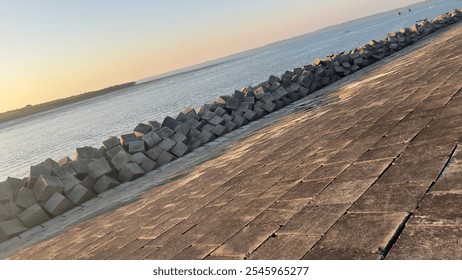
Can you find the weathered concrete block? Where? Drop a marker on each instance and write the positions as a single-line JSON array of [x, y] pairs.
[[151, 139], [88, 182], [155, 126], [220, 111], [64, 161], [148, 165], [279, 93], [216, 120], [219, 130], [239, 95], [58, 204], [105, 183], [5, 193], [119, 160], [154, 152], [114, 151], [208, 127], [165, 157], [46, 186], [180, 149], [245, 106], [138, 158], [206, 136], [250, 115], [142, 129], [194, 143], [260, 112], [279, 104], [11, 228], [273, 79], [80, 194], [230, 125], [111, 142], [69, 182], [191, 113], [259, 104], [9, 210], [165, 132], [208, 116], [80, 167], [26, 198], [179, 138], [85, 153], [240, 121], [232, 103], [126, 139], [136, 147], [270, 107], [33, 216], [303, 91], [267, 98], [36, 171], [181, 117], [183, 128], [227, 118], [130, 172], [286, 101], [63, 171], [194, 133], [167, 144], [100, 167], [275, 86], [170, 123]]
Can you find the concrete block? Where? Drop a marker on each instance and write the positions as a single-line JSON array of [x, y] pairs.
[[208, 127], [267, 98], [219, 130], [130, 172], [114, 151], [105, 183], [194, 133], [119, 160], [5, 193], [111, 142], [191, 123], [63, 171], [245, 106], [286, 101], [184, 128], [239, 95], [36, 171], [227, 117], [206, 136], [222, 99], [167, 144], [154, 152], [88, 182], [259, 104], [250, 115], [181, 117], [155, 126], [138, 158], [260, 113], [179, 138], [303, 91], [279, 104], [100, 167], [85, 153], [142, 129], [294, 96], [293, 88], [216, 120], [208, 116], [80, 194], [33, 216], [9, 210], [64, 161], [180, 149], [240, 121], [230, 125], [151, 139], [80, 166], [249, 99], [191, 113], [69, 182], [165, 132], [270, 107], [148, 165], [26, 198], [11, 228], [170, 123], [58, 204], [46, 186], [194, 143], [127, 138], [165, 157], [136, 147], [279, 93], [232, 103], [273, 79]]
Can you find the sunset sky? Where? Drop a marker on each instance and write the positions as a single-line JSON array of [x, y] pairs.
[[52, 49]]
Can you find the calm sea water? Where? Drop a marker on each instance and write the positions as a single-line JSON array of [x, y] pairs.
[[56, 133]]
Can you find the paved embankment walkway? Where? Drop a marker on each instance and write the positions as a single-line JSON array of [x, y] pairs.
[[370, 170]]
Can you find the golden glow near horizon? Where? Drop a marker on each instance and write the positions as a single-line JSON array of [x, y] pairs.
[[54, 49]]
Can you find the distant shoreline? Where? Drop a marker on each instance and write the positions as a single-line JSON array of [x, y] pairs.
[[39, 108]]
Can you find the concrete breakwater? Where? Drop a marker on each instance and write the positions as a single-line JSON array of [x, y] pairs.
[[54, 187]]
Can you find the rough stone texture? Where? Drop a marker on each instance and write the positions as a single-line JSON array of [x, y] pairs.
[[167, 144], [114, 151], [142, 129], [179, 138], [46, 186], [165, 157], [80, 194], [180, 149], [26, 198], [105, 183], [136, 147], [130, 172], [99, 167], [34, 215], [151, 139], [11, 228], [119, 160], [148, 165], [58, 204], [111, 142]]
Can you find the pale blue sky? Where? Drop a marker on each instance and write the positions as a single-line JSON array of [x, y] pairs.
[[56, 48]]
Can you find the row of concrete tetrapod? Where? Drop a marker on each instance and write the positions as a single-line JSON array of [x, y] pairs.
[[52, 187]]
